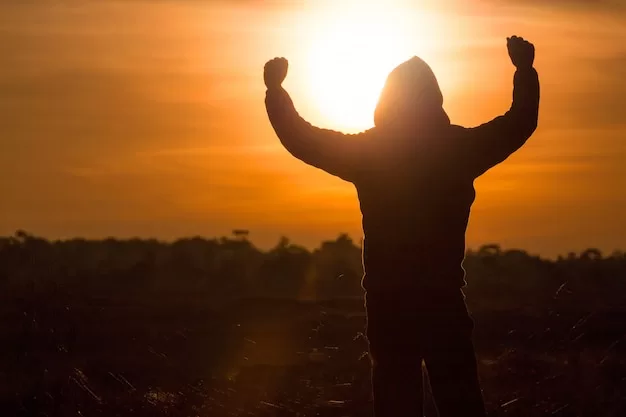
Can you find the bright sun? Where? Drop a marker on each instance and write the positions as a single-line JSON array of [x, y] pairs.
[[353, 49]]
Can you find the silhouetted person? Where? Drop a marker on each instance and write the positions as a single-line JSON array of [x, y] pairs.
[[414, 174]]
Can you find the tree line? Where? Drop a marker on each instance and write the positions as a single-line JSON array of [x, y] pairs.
[[224, 268]]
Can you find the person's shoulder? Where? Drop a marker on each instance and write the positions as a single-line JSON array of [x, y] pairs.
[[457, 129], [456, 132]]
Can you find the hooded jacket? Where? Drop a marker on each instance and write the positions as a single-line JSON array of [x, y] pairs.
[[413, 172]]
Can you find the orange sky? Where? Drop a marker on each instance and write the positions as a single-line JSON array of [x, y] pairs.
[[146, 118]]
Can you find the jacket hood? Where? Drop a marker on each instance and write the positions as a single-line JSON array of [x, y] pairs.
[[411, 97]]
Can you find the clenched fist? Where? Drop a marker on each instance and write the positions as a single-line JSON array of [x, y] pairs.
[[275, 72], [521, 51]]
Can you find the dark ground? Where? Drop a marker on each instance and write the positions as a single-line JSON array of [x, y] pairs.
[[264, 357], [211, 328]]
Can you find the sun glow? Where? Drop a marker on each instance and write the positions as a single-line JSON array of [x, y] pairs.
[[353, 48]]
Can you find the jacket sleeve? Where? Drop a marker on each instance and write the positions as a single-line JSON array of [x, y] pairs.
[[334, 152], [493, 142]]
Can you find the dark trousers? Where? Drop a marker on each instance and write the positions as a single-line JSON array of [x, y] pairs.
[[404, 329]]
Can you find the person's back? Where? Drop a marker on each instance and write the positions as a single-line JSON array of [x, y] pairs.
[[414, 174], [416, 183]]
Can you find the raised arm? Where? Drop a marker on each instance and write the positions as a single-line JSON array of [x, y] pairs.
[[493, 142], [334, 152]]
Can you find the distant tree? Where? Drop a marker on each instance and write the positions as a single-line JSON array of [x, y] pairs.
[[591, 254], [22, 235], [241, 234], [490, 250]]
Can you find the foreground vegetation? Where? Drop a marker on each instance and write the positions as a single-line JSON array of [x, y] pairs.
[[221, 328]]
